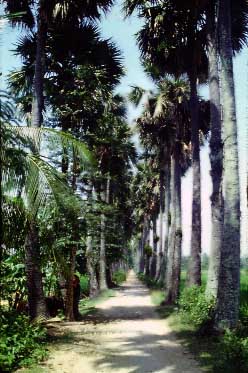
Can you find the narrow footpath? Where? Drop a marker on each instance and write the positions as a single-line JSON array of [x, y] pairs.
[[125, 335]]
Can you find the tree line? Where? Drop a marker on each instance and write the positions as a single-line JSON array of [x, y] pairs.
[[67, 153], [183, 45]]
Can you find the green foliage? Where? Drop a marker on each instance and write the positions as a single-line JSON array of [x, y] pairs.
[[150, 282], [119, 276], [233, 353], [148, 250], [194, 306], [21, 343], [13, 279], [84, 284]]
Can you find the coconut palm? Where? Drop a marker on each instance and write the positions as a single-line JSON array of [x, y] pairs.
[[39, 183]]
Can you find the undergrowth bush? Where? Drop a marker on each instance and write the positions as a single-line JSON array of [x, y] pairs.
[[119, 276], [194, 307], [232, 353], [21, 343], [150, 282], [84, 284]]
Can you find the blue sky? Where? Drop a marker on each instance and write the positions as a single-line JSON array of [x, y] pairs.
[[122, 32]]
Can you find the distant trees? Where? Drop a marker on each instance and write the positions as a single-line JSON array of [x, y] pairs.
[[194, 38]]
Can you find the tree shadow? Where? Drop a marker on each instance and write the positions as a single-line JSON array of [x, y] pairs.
[[129, 347], [146, 353]]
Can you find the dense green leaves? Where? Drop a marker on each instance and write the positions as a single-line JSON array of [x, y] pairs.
[[21, 343]]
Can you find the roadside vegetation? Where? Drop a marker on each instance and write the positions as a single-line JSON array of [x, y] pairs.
[[190, 318]]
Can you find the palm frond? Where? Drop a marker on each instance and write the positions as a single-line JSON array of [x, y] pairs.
[[58, 139], [45, 184], [136, 95]]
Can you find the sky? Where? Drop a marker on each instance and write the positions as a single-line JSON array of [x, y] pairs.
[[122, 32]]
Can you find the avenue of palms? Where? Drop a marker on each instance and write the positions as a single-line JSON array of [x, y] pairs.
[[86, 200]]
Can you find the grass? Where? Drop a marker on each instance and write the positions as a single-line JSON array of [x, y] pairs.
[[35, 369], [208, 350]]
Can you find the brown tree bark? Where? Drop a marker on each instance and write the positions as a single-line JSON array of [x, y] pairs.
[[36, 299]]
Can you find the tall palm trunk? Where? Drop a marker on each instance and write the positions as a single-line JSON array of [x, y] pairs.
[[138, 254], [171, 238], [229, 277], [69, 299], [102, 276], [91, 267], [38, 98], [1, 196], [36, 300], [175, 242], [178, 233], [142, 244], [161, 214], [147, 254], [194, 272], [65, 157], [216, 159], [167, 202], [36, 297], [69, 285], [155, 245]]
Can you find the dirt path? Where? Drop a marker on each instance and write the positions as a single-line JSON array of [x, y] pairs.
[[125, 336]]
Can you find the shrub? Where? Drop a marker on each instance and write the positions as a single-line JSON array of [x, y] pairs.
[[148, 250], [84, 284], [194, 306], [119, 276], [150, 282], [233, 353], [21, 343]]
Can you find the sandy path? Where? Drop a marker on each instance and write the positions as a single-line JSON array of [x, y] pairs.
[[125, 336]]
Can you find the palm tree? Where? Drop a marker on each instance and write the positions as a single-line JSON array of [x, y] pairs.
[[144, 198], [216, 155], [154, 134], [113, 149], [40, 182], [173, 268], [42, 16], [239, 33], [69, 75], [157, 129], [229, 272], [171, 42], [90, 257]]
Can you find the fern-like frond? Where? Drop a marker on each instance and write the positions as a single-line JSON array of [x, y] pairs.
[[45, 184], [58, 140]]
